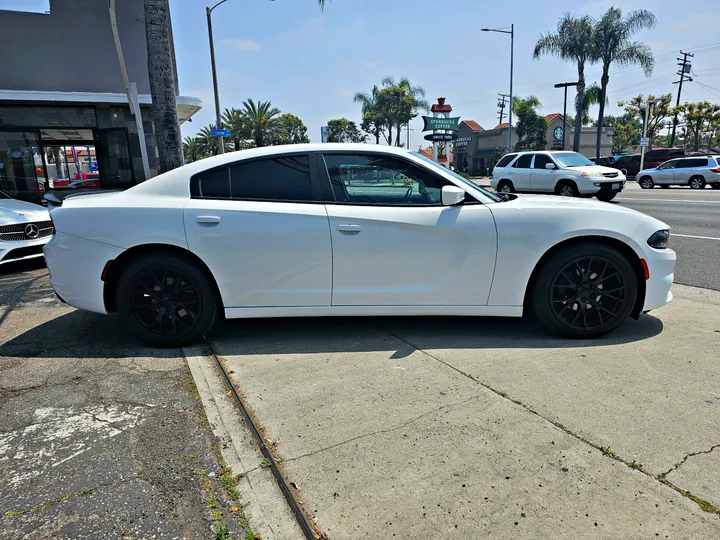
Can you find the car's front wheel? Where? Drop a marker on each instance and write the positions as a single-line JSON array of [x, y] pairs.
[[505, 186], [584, 291], [166, 300], [646, 182], [567, 189]]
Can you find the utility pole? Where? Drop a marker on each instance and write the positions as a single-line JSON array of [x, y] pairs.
[[683, 73], [501, 105]]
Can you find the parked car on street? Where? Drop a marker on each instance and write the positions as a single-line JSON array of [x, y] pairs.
[[281, 232], [628, 164], [563, 173], [658, 156], [24, 229], [696, 172]]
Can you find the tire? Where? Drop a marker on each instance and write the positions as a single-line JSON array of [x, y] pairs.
[[595, 275], [606, 198], [715, 185], [646, 182], [566, 188], [505, 186], [697, 182], [165, 300]]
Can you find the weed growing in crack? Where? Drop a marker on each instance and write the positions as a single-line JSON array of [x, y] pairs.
[[607, 452], [223, 533], [266, 463], [634, 465]]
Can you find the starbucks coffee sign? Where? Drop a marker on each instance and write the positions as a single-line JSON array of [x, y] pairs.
[[433, 123], [462, 142]]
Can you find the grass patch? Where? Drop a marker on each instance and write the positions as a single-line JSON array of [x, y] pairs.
[[634, 465], [211, 501], [229, 483], [37, 508], [266, 463], [216, 514], [222, 533], [14, 513], [252, 535], [190, 384], [607, 452]]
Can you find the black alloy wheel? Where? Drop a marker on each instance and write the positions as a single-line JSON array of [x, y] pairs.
[[585, 292], [166, 300]]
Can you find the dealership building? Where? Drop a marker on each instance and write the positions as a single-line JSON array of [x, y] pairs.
[[477, 149], [62, 89]]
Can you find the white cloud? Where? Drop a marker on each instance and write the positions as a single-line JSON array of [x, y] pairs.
[[241, 44]]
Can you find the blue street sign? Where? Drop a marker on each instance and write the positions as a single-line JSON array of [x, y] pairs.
[[220, 132]]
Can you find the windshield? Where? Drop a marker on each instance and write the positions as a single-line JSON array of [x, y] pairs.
[[572, 159], [458, 177]]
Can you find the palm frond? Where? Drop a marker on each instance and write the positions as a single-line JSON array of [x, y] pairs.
[[636, 53]]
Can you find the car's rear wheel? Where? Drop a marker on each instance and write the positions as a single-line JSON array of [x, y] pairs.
[[697, 182], [646, 182], [505, 186], [166, 300], [566, 188], [584, 291]]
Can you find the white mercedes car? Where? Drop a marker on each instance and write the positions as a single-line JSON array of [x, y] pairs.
[[24, 229], [349, 229]]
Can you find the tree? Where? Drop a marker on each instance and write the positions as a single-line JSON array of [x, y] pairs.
[[208, 145], [572, 42], [415, 94], [235, 120], [700, 119], [294, 130], [263, 121], [344, 130], [531, 128], [373, 122], [612, 45], [625, 135], [193, 149], [161, 72], [659, 112], [395, 106]]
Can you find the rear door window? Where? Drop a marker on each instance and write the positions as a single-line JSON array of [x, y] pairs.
[[691, 163], [523, 161], [505, 161], [279, 179]]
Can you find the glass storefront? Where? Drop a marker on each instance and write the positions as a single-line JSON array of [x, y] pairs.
[[44, 147]]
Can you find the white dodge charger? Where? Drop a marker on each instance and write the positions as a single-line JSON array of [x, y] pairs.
[[348, 229]]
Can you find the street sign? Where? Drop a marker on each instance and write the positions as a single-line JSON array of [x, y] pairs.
[[439, 122], [644, 142], [220, 132], [440, 137]]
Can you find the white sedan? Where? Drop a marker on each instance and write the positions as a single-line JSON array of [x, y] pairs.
[[24, 229], [347, 230]]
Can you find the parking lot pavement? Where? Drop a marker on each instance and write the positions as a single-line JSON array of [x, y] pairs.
[[99, 436], [422, 427]]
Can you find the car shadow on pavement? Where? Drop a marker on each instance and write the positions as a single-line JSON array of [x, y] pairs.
[[81, 334], [366, 334]]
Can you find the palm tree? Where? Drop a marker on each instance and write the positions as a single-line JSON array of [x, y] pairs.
[[193, 148], [572, 42], [369, 107], [161, 71], [612, 45], [263, 121], [208, 144], [417, 93], [235, 120]]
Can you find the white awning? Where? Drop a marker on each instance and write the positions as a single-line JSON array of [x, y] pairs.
[[187, 106]]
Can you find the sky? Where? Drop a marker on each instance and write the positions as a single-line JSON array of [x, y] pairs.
[[311, 63]]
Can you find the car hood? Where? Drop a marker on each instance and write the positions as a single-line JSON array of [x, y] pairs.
[[555, 203], [13, 211], [592, 168]]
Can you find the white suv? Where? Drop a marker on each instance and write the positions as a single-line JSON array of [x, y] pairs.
[[563, 173]]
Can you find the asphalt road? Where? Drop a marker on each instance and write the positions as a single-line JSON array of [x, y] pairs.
[[694, 218]]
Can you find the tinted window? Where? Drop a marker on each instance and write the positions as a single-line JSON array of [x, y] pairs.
[[213, 184], [279, 179], [523, 161], [369, 179], [694, 162], [506, 160], [541, 160], [676, 152], [651, 154], [674, 164]]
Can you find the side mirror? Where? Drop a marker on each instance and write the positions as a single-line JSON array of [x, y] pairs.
[[550, 166], [452, 195]]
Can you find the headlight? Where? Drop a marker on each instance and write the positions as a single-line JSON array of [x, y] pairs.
[[593, 174], [659, 240]]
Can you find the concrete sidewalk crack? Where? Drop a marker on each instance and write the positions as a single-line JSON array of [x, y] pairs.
[[703, 504], [688, 456], [381, 431]]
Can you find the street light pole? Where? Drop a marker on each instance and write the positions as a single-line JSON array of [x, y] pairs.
[[565, 85], [512, 47], [208, 12]]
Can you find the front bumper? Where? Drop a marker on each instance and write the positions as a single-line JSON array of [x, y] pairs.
[[75, 265], [22, 250], [605, 187], [661, 267]]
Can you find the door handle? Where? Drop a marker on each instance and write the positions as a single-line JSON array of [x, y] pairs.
[[208, 220], [349, 228]]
